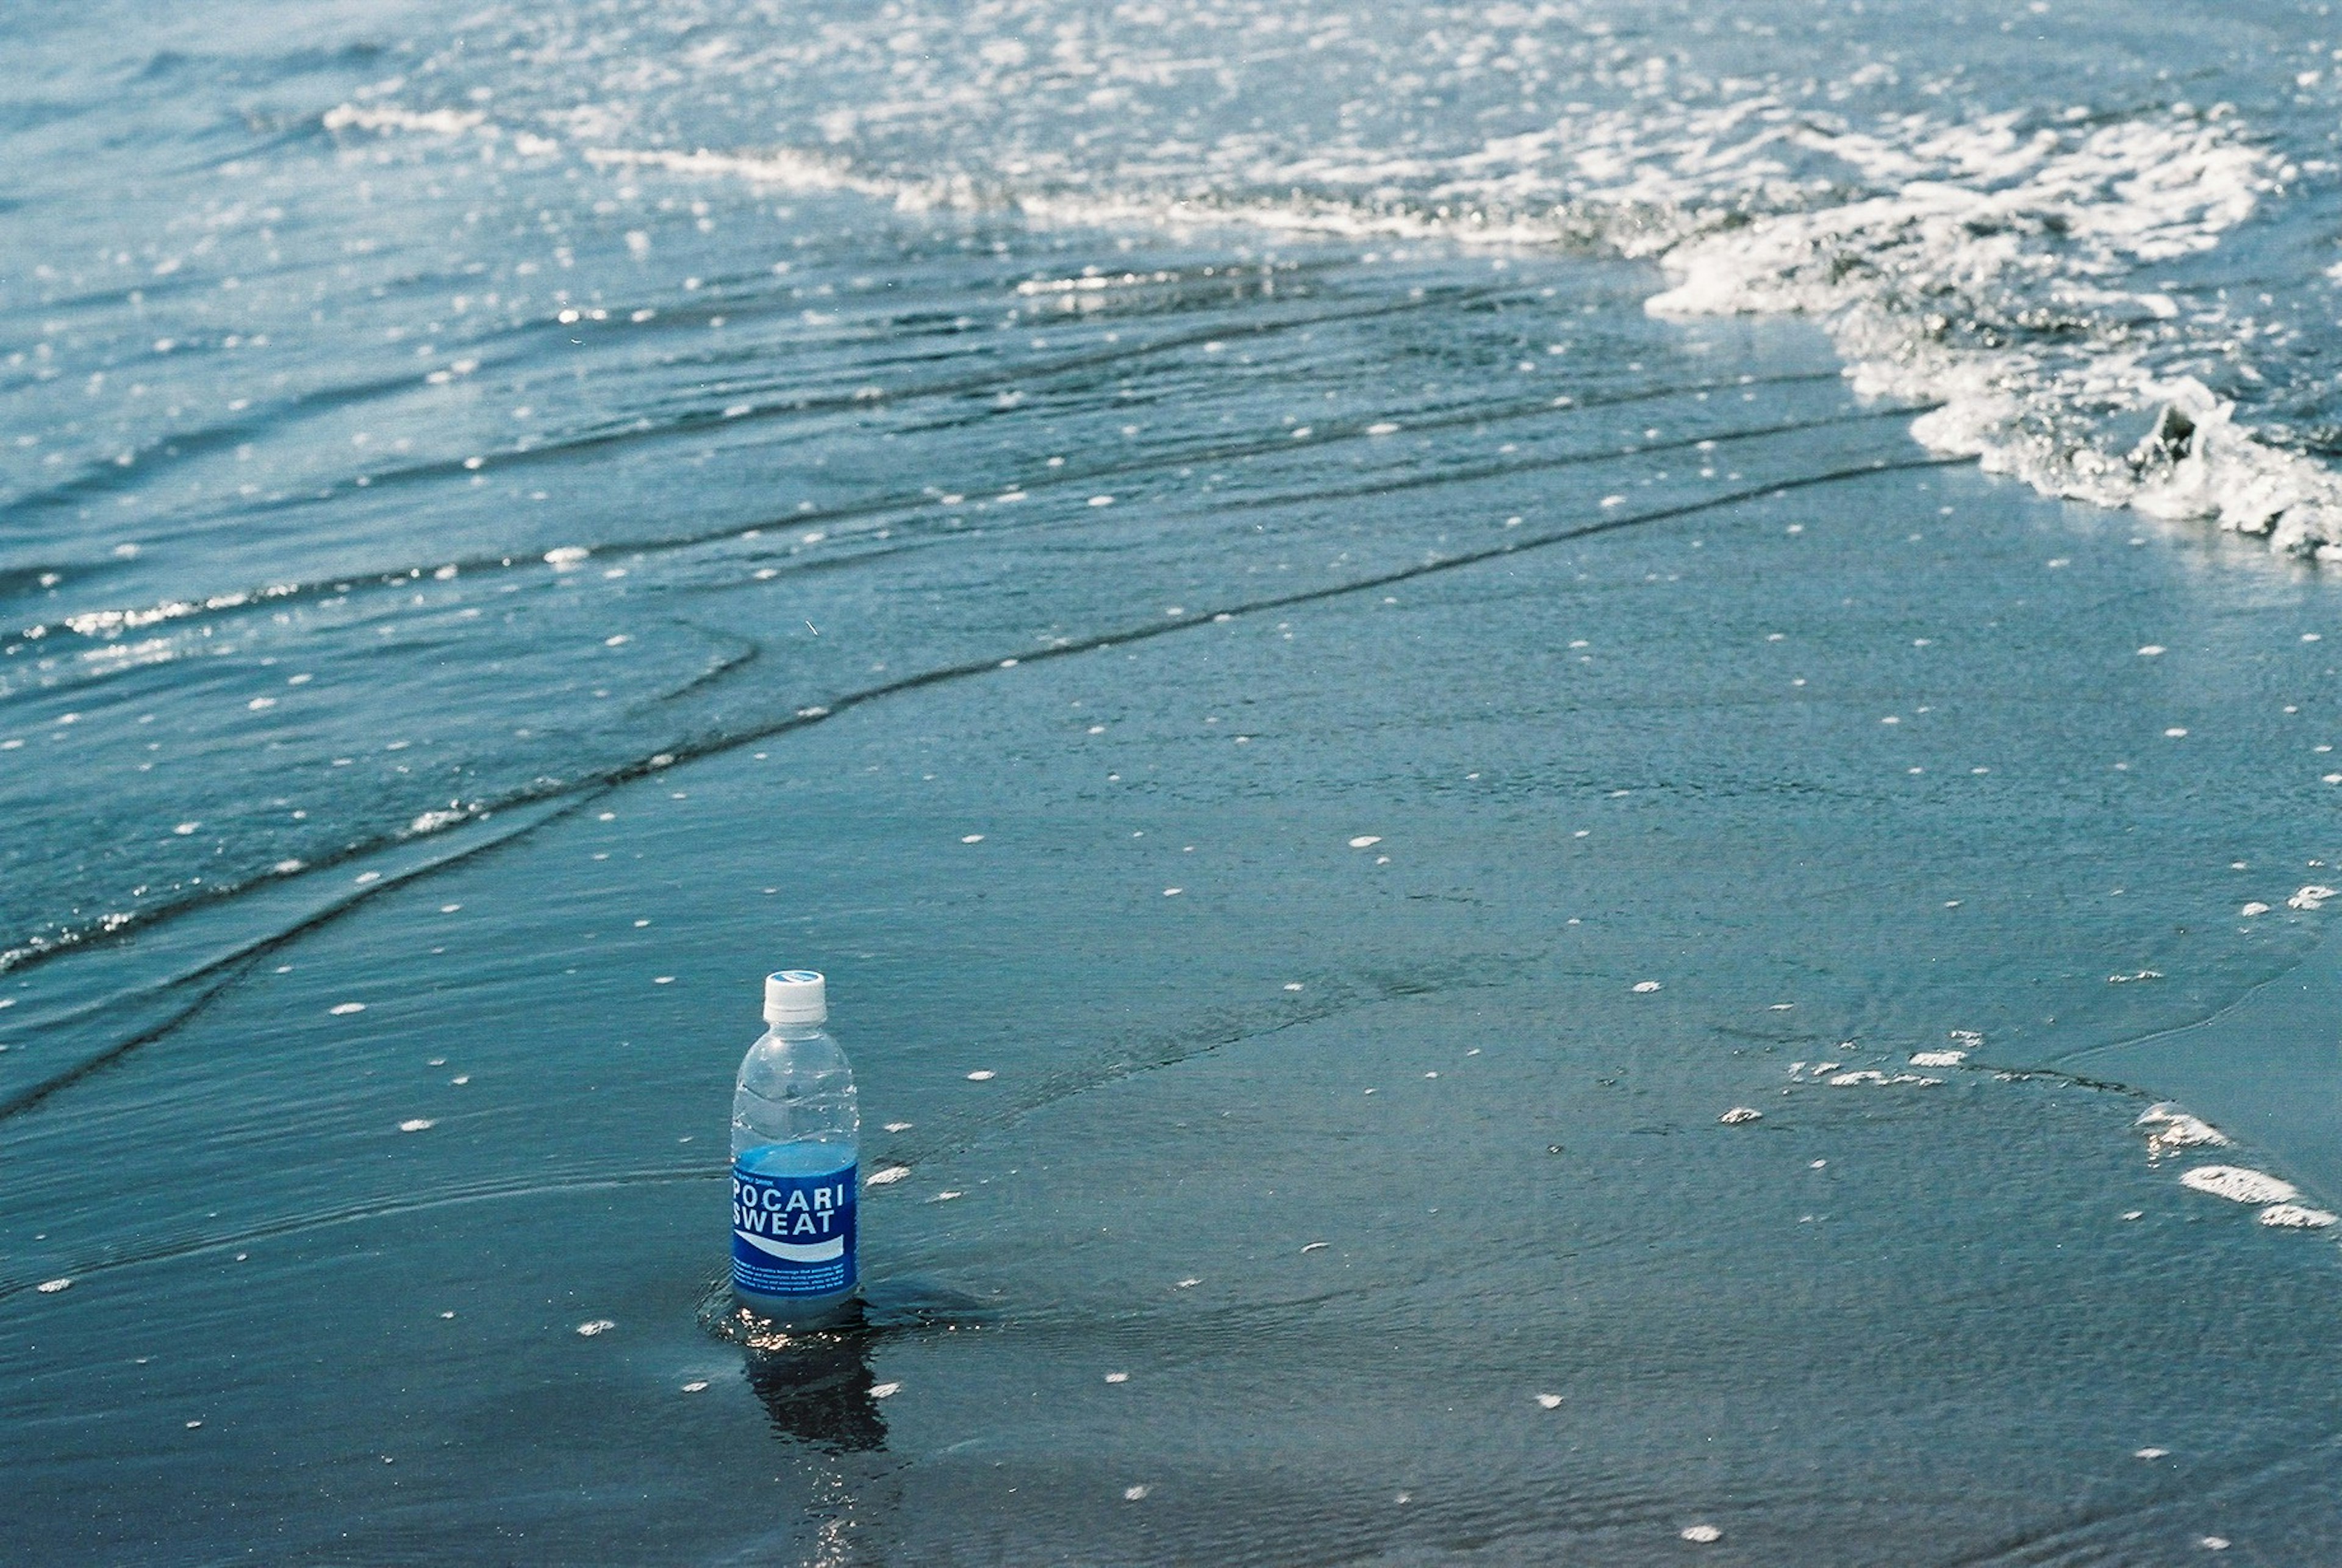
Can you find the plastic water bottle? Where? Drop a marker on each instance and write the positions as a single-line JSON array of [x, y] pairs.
[[795, 1129]]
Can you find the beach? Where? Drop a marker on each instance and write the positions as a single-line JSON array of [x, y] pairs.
[[1491, 904]]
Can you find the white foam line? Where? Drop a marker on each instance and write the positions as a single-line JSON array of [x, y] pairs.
[[1956, 235]]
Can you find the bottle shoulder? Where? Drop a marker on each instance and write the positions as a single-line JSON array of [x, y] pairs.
[[804, 1072], [797, 1051]]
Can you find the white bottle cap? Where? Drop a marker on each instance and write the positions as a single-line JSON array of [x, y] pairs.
[[796, 996]]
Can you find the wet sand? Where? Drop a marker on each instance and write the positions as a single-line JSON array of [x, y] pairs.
[[1302, 924]]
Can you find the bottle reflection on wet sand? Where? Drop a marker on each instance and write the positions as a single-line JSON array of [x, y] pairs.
[[816, 1389]]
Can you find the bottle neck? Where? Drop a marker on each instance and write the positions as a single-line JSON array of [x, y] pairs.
[[796, 1031]]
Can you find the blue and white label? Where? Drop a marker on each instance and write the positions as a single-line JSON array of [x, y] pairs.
[[791, 1235]]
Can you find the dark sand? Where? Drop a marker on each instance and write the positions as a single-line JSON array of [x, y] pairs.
[[1365, 946]]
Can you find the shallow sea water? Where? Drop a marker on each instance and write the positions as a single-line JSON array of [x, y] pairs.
[[1329, 759]]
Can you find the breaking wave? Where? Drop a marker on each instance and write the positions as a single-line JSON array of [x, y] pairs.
[[2003, 269]]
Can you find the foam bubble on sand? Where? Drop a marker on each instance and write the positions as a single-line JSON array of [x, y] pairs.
[[599, 1325], [2296, 1217], [2173, 1128], [1741, 1115], [2238, 1185]]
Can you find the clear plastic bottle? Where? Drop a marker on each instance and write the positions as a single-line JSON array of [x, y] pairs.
[[795, 1130]]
